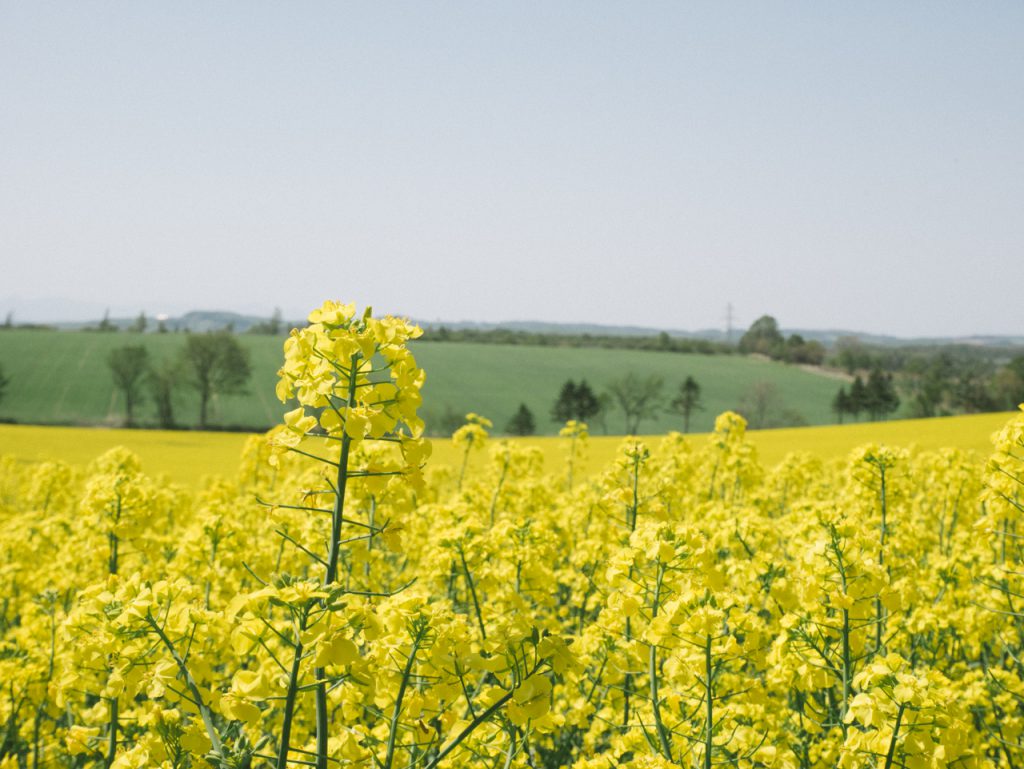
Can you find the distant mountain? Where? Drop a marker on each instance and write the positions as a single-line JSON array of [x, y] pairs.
[[196, 320], [215, 320], [206, 320]]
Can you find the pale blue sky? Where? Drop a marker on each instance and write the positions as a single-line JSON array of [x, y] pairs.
[[855, 165]]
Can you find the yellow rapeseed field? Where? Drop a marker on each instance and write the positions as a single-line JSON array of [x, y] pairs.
[[330, 595], [187, 456]]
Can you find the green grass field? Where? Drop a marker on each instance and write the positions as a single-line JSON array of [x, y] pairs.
[[62, 378]]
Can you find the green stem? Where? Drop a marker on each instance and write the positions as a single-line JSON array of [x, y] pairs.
[[369, 541], [112, 558], [290, 696], [331, 574], [627, 683], [663, 737], [895, 733], [497, 491], [113, 541], [636, 493], [35, 736], [709, 714], [397, 712], [484, 716], [847, 672], [112, 737], [472, 593], [465, 461], [204, 709], [879, 609]]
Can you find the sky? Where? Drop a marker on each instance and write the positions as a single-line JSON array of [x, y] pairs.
[[836, 165]]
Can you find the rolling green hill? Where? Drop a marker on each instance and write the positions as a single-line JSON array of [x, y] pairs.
[[62, 378]]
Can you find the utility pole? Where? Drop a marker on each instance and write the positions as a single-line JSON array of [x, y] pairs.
[[728, 323]]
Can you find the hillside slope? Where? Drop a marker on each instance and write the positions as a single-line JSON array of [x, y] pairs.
[[62, 378]]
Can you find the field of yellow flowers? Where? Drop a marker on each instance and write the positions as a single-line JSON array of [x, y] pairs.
[[336, 601], [189, 456]]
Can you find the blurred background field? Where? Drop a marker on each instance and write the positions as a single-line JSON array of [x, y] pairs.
[[187, 456], [61, 377]]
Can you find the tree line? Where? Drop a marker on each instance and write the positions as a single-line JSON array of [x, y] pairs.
[[944, 380], [662, 342], [274, 325], [639, 398], [210, 364]]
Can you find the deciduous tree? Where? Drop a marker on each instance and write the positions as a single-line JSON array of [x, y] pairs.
[[162, 381], [763, 337], [638, 397], [761, 403], [214, 364], [128, 367], [1008, 384], [852, 355], [687, 401], [800, 350]]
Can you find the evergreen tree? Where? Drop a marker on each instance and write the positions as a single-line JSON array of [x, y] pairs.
[[587, 404], [563, 408], [841, 404], [522, 422], [858, 398], [880, 398], [575, 401]]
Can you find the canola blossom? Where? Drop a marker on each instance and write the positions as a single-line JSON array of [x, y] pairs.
[[338, 602]]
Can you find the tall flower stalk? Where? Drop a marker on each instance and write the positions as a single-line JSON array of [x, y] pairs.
[[355, 380]]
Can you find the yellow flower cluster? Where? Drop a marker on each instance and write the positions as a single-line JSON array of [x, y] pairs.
[[353, 378], [684, 608]]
